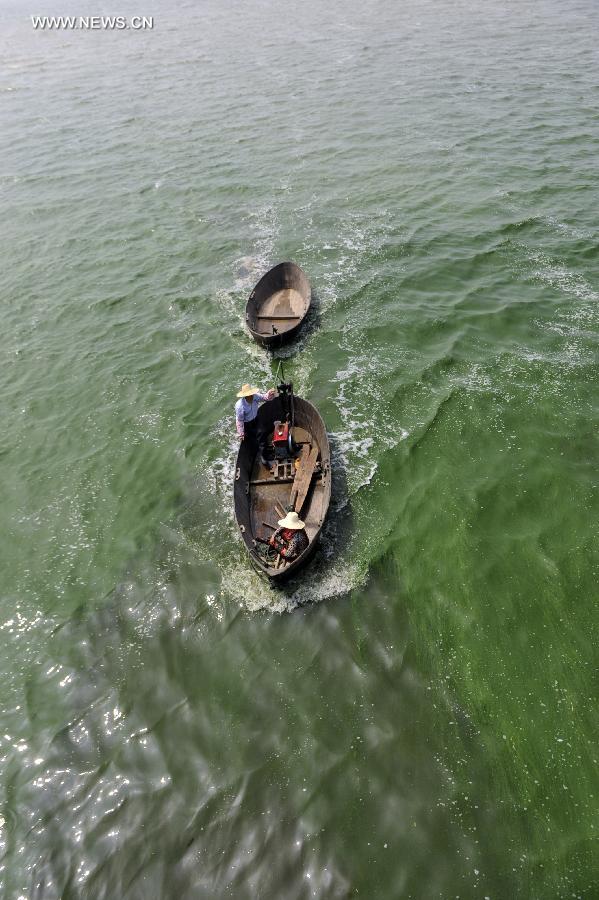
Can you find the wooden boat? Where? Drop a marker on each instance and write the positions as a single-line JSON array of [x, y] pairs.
[[278, 305], [300, 479]]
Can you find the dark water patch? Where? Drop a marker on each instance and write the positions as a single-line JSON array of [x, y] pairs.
[[230, 814]]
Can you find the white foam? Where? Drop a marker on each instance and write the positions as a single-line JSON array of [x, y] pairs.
[[576, 322], [319, 582], [251, 267], [475, 379], [368, 427]]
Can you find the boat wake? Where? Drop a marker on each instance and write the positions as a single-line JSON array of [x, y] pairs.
[[365, 428], [369, 427], [245, 586]]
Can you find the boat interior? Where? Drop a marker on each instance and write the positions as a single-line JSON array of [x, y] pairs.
[[279, 302], [298, 480], [283, 309]]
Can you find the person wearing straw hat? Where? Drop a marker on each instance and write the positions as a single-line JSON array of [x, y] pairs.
[[290, 538], [246, 409]]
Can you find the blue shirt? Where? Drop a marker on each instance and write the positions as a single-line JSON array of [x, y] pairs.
[[247, 412]]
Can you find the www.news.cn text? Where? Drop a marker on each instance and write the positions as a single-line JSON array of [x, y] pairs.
[[92, 23]]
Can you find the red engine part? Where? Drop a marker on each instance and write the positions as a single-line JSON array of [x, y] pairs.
[[281, 434]]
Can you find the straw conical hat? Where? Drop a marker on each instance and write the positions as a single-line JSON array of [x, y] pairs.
[[292, 520], [247, 391]]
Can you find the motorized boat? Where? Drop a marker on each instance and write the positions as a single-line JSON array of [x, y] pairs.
[[290, 470]]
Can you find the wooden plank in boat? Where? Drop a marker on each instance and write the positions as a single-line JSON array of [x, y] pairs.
[[281, 316], [301, 436], [303, 478], [262, 481], [301, 459]]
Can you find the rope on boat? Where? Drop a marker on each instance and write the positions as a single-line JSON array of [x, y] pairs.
[[280, 371]]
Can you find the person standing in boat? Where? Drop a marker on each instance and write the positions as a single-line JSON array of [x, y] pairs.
[[246, 409], [290, 538]]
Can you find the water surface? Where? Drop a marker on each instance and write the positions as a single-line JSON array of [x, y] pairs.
[[415, 718]]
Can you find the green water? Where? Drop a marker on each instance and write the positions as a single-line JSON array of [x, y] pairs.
[[417, 716]]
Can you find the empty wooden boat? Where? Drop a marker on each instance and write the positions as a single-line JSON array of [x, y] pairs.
[[297, 476], [278, 305]]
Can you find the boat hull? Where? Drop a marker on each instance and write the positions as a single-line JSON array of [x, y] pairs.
[[278, 305], [261, 499]]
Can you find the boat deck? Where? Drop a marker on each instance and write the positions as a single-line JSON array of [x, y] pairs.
[[271, 491], [263, 494]]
